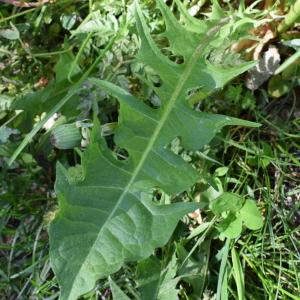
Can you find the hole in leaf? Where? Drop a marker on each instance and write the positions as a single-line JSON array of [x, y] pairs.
[[156, 80], [121, 154], [155, 101], [157, 196], [193, 91], [144, 91], [167, 51], [160, 197]]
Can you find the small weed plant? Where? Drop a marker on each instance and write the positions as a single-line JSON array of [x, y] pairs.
[[135, 162]]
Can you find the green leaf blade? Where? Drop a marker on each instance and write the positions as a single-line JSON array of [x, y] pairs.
[[117, 293], [92, 239], [107, 217], [251, 215]]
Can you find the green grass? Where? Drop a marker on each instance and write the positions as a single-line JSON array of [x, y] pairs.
[[263, 163]]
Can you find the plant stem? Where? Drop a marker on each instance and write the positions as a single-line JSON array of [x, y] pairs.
[[292, 59], [60, 104], [13, 16], [290, 18]]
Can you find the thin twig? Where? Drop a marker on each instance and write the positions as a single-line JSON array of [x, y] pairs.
[[25, 4]]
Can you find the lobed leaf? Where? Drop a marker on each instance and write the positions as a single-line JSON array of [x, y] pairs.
[[108, 218]]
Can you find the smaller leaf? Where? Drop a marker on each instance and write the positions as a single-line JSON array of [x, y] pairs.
[[68, 20], [227, 202], [251, 215], [10, 34], [221, 171], [117, 293], [169, 291], [95, 23], [64, 65], [148, 277], [231, 227], [194, 268], [213, 192], [156, 282], [199, 229]]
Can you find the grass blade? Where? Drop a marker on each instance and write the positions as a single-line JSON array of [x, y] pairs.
[[222, 278], [238, 274], [28, 138]]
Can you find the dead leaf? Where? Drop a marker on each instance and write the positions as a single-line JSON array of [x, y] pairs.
[[264, 69]]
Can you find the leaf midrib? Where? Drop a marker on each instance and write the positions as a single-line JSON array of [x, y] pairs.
[[170, 105]]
